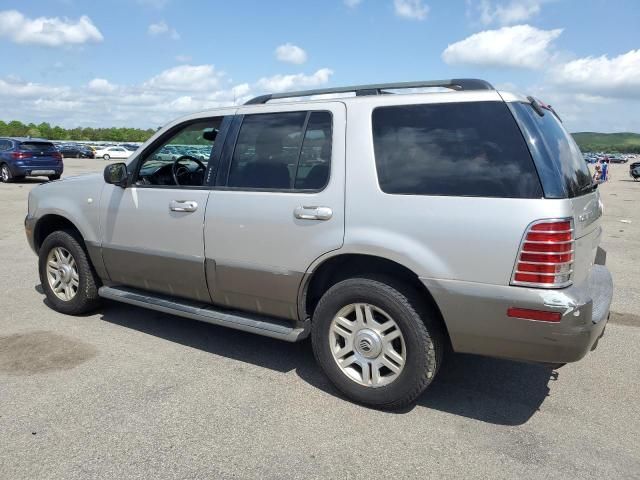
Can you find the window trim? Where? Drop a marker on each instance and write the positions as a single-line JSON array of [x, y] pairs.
[[516, 124], [140, 158], [222, 178]]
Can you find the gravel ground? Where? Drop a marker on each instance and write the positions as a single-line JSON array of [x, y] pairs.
[[130, 393]]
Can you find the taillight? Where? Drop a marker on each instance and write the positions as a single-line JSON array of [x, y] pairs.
[[57, 156], [20, 155], [545, 258]]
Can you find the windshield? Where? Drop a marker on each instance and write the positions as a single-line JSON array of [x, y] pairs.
[[564, 163]]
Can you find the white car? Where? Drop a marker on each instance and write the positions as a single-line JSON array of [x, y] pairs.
[[113, 152]]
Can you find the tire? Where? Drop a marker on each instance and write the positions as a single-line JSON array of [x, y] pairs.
[[54, 177], [421, 342], [85, 294], [5, 174], [107, 157]]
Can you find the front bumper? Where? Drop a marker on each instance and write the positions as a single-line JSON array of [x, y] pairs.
[[29, 228], [476, 318]]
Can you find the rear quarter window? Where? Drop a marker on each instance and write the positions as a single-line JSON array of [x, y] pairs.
[[459, 149]]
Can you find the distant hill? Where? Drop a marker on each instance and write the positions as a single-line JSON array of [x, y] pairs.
[[608, 142]]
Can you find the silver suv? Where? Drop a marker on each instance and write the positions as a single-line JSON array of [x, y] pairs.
[[389, 227]]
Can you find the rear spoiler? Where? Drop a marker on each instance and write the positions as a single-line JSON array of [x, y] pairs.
[[540, 107]]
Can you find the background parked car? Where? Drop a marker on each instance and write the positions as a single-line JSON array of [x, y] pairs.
[[22, 157], [75, 151], [113, 152]]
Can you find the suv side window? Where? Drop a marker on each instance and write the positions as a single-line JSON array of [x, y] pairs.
[[464, 149], [4, 145], [282, 151], [181, 157]]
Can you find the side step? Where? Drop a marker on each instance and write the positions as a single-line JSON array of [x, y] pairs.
[[262, 325]]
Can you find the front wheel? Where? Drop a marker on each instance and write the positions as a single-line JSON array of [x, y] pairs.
[[66, 275], [106, 157], [378, 344]]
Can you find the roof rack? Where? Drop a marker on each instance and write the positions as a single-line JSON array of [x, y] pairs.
[[379, 89]]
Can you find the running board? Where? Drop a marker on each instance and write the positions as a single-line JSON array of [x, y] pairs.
[[262, 325]]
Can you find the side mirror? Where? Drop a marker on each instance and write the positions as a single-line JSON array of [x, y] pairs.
[[116, 174]]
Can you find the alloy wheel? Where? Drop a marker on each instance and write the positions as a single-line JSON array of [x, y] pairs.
[[62, 273], [367, 345]]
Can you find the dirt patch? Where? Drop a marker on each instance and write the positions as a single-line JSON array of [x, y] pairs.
[[41, 352], [625, 319]]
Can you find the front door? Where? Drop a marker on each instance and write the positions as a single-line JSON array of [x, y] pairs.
[[277, 206], [153, 230]]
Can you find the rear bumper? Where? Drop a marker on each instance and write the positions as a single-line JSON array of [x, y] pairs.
[[477, 321], [26, 170]]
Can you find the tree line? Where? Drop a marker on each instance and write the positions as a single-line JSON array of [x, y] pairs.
[[16, 128]]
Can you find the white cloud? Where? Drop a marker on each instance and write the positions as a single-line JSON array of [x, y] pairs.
[[161, 28], [100, 85], [47, 31], [186, 78], [515, 11], [520, 46], [411, 9], [14, 87], [352, 3], [290, 53], [281, 83], [163, 97], [617, 77]]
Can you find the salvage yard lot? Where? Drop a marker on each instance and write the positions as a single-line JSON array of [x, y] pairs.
[[130, 393]]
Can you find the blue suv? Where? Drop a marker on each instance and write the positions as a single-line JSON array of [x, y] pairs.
[[29, 157]]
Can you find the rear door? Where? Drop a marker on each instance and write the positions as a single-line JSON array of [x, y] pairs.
[[278, 204]]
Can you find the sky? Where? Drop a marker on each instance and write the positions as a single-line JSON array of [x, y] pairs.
[[142, 63]]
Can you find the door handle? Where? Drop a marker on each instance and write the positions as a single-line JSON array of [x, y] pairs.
[[183, 206], [313, 213]]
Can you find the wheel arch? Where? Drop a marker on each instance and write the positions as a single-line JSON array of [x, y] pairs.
[[50, 223], [347, 265]]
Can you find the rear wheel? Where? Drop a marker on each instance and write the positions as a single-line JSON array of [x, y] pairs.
[[106, 157], [54, 177], [5, 173], [69, 282], [372, 343]]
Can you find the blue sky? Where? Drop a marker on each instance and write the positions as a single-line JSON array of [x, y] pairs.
[[143, 62]]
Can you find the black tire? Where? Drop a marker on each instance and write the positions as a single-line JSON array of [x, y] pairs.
[[86, 298], [5, 174], [423, 337], [106, 157], [54, 177]]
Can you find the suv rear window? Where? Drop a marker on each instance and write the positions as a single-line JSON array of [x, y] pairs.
[[462, 149], [36, 146], [563, 159]]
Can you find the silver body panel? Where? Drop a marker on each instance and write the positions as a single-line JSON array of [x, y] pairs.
[[251, 251], [257, 250]]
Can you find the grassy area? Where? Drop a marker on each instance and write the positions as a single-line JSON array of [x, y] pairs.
[[608, 142]]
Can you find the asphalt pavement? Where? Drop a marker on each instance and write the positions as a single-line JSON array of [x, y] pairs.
[[134, 394]]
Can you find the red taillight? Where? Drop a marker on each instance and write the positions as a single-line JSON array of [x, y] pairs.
[[540, 315], [57, 156], [20, 155], [545, 258]]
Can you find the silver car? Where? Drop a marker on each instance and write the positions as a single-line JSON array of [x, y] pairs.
[[389, 227]]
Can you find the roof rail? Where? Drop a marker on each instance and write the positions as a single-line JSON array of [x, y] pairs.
[[379, 89]]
